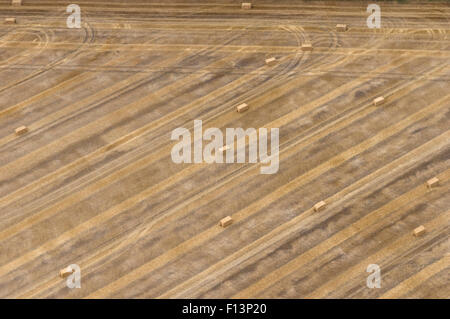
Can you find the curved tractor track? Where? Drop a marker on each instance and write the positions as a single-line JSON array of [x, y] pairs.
[[92, 181]]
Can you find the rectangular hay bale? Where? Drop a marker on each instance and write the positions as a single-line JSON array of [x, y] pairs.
[[242, 108], [307, 47], [21, 130], [16, 2], [10, 21], [378, 101], [341, 27], [227, 221], [433, 182], [320, 206], [271, 61], [224, 148], [65, 272], [246, 5], [419, 231]]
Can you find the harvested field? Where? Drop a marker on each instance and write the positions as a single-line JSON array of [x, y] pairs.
[[87, 177]]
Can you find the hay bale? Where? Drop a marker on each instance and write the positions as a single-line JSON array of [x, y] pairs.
[[378, 101], [433, 182], [341, 27], [66, 272], [10, 21], [16, 2], [227, 221], [307, 47], [21, 130], [246, 5], [271, 61], [224, 148], [320, 206], [419, 231], [242, 108]]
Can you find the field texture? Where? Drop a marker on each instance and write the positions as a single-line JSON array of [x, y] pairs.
[[93, 183]]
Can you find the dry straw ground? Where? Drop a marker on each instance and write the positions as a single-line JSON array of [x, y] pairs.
[[92, 181]]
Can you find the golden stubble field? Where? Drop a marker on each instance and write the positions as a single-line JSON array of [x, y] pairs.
[[92, 181]]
